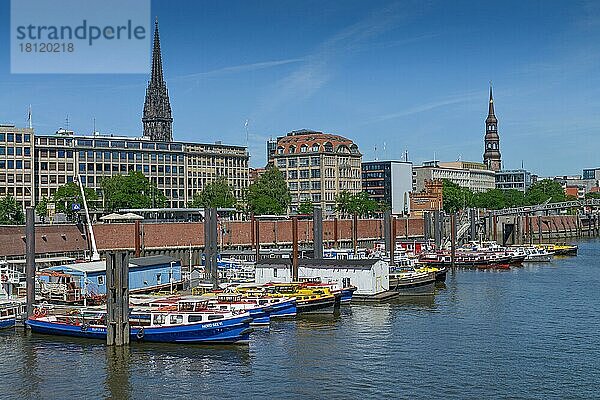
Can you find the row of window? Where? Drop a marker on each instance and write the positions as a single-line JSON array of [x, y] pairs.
[[15, 137], [305, 185], [12, 178], [304, 174], [91, 167], [316, 147], [301, 162], [15, 151], [15, 164]]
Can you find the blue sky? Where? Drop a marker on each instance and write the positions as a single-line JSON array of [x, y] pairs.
[[406, 75]]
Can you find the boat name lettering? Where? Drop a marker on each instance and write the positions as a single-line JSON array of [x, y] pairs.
[[212, 325]]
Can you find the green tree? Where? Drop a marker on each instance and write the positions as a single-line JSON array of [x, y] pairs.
[[131, 191], [514, 198], [41, 208], [269, 194], [592, 195], [358, 203], [543, 190], [11, 212], [343, 202], [217, 193], [495, 199], [306, 207], [69, 194], [455, 197]]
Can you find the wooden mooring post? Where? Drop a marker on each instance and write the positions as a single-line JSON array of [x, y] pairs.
[[453, 240], [317, 232], [30, 259], [294, 249], [117, 299]]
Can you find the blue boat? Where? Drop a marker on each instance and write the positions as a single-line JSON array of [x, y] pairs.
[[284, 308], [8, 314], [234, 302], [154, 326], [347, 294]]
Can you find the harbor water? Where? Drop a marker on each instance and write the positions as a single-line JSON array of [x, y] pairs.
[[531, 332]]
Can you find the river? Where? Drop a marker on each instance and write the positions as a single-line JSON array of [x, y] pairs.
[[532, 332]]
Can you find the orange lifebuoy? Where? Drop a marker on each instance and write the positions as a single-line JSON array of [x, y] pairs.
[[37, 313], [4, 278]]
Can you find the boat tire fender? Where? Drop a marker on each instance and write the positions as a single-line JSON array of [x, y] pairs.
[[84, 327], [140, 333]]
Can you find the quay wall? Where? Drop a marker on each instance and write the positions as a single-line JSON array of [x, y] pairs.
[[170, 237], [178, 238], [526, 229]]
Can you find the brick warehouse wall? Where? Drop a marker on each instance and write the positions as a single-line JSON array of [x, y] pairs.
[[69, 238]]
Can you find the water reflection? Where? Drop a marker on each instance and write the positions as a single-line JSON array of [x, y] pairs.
[[118, 360], [414, 302]]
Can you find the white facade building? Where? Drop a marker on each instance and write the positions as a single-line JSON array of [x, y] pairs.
[[370, 276]]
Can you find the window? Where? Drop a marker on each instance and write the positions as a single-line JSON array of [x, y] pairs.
[[176, 319], [215, 316], [194, 318], [158, 279], [303, 148], [281, 163], [159, 319], [275, 272], [100, 280]]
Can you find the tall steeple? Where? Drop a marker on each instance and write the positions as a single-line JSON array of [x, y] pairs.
[[157, 119], [491, 156]]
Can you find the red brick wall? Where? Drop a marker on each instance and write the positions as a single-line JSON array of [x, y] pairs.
[[48, 239], [68, 238]]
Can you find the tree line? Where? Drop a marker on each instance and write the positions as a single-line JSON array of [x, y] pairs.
[[457, 198], [269, 194]]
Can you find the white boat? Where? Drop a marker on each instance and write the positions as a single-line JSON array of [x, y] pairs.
[[409, 282], [537, 254]]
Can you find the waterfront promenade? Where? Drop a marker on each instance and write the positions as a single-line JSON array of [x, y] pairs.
[[528, 333]]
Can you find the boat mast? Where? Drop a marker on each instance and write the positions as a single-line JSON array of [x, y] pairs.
[[95, 255]]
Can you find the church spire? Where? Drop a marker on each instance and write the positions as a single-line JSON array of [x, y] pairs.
[[157, 71], [491, 107], [157, 119], [491, 155]]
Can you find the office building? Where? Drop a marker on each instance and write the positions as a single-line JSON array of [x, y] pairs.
[[318, 166], [518, 179], [16, 164], [389, 182], [472, 175], [178, 169]]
